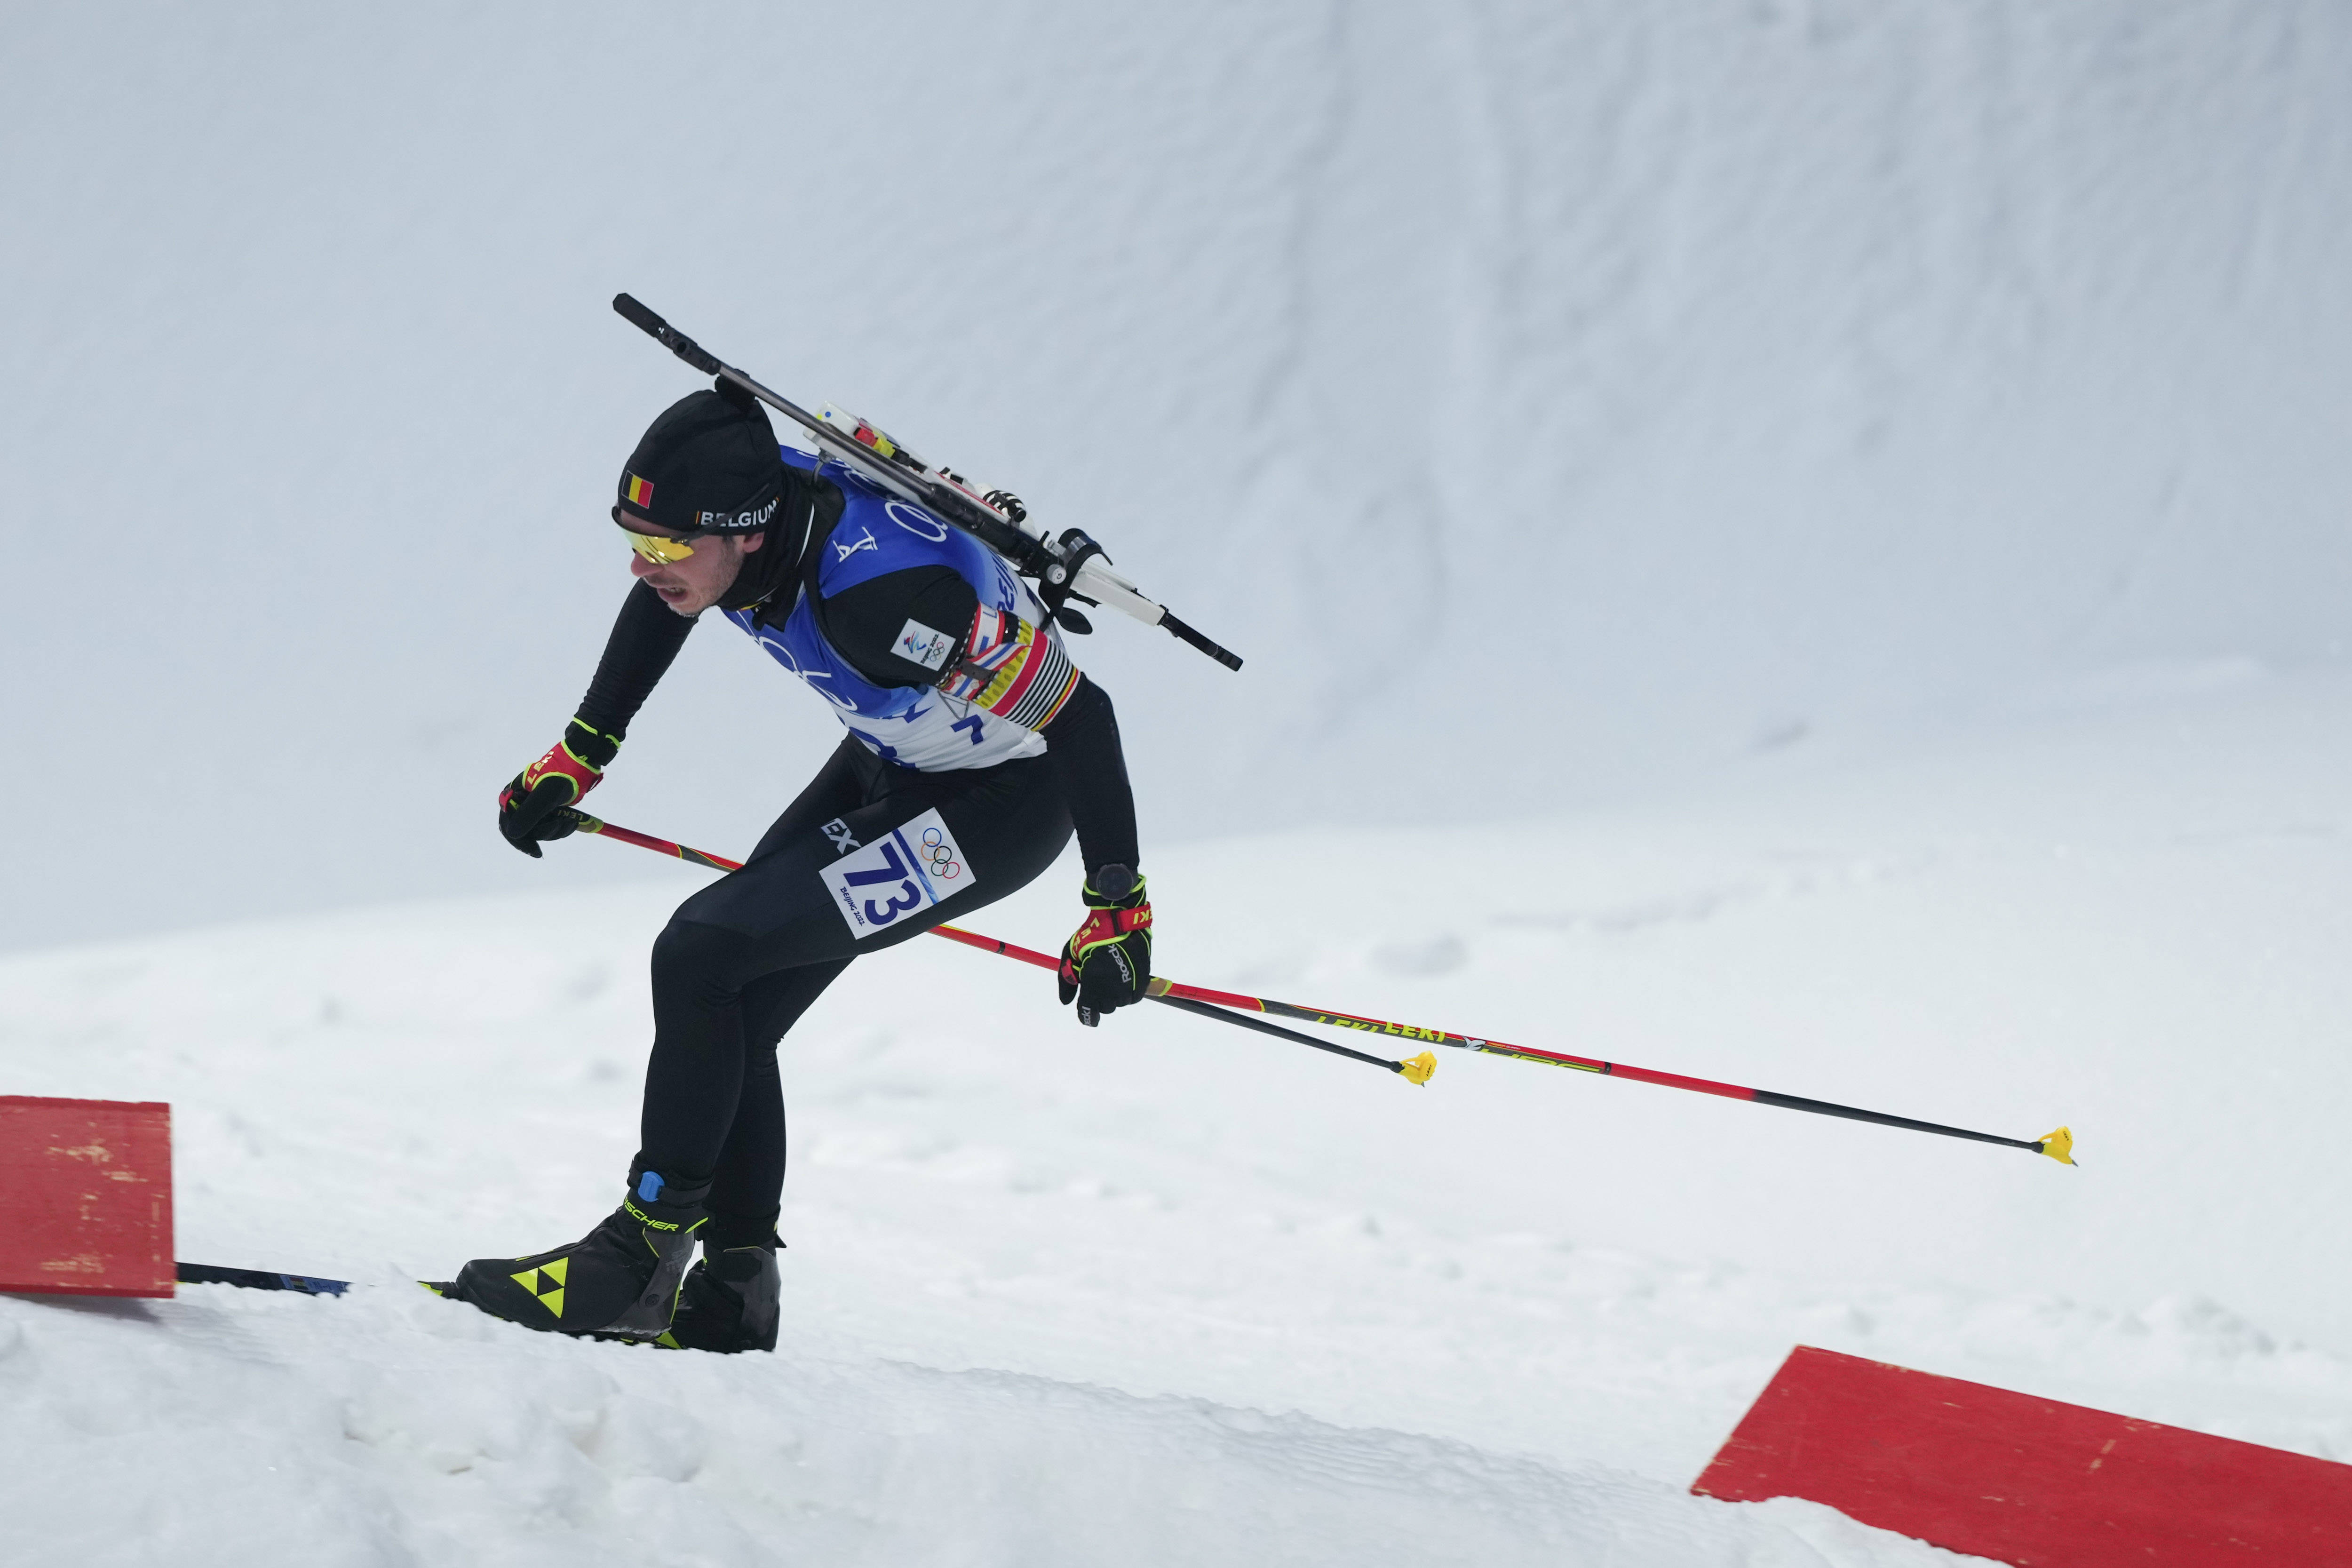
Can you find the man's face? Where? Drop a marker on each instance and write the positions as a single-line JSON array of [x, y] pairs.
[[692, 583]]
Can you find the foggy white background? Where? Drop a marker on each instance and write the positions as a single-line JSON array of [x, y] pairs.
[[1548, 400]]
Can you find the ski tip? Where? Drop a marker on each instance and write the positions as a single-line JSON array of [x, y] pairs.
[[439, 1286], [1417, 1070], [257, 1280], [2059, 1145]]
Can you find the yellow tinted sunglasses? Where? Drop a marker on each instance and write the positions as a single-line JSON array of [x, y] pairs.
[[657, 548]]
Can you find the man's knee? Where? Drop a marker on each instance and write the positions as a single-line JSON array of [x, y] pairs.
[[694, 958]]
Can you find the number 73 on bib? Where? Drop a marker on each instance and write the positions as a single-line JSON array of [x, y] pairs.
[[905, 871]]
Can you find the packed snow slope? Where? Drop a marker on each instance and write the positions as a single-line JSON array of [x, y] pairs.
[[1541, 394], [1164, 1292]]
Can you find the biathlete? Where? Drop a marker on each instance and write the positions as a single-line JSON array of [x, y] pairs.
[[975, 747]]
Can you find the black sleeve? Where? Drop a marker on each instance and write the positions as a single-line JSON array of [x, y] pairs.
[[645, 638], [1086, 755], [932, 604]]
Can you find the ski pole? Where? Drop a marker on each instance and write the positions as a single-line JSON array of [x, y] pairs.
[[2058, 1145], [1192, 999], [1186, 998]]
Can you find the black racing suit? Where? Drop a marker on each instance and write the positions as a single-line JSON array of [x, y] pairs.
[[744, 958]]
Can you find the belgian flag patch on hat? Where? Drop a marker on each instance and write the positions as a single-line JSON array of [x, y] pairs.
[[639, 491]]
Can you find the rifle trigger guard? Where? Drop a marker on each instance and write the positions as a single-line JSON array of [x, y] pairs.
[[1076, 547]]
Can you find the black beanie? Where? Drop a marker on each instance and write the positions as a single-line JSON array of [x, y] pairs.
[[708, 465]]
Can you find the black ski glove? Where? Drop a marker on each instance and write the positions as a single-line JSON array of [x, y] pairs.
[[1107, 962], [572, 766]]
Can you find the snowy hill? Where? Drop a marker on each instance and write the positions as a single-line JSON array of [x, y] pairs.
[[1554, 396], [1169, 1293]]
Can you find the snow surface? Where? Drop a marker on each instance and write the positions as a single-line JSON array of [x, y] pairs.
[[1169, 1293], [1543, 394]]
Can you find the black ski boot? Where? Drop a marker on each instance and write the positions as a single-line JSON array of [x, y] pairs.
[[731, 1302], [621, 1280]]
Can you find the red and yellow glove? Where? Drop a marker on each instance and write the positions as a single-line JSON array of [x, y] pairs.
[[1107, 962], [572, 766]]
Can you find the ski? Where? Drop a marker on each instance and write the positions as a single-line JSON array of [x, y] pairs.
[[257, 1279]]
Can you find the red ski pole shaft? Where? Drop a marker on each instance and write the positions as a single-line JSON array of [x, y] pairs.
[[1186, 998], [583, 823], [2058, 1145], [1192, 999]]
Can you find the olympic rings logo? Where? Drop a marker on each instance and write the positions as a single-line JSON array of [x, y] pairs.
[[944, 866], [915, 522]]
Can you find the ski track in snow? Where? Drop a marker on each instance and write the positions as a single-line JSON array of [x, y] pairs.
[[1163, 1292]]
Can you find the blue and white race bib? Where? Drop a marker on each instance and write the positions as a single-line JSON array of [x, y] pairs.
[[901, 874]]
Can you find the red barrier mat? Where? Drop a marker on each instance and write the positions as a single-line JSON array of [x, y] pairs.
[[2022, 1480], [86, 1189]]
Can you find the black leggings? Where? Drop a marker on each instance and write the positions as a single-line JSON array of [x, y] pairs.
[[743, 959]]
